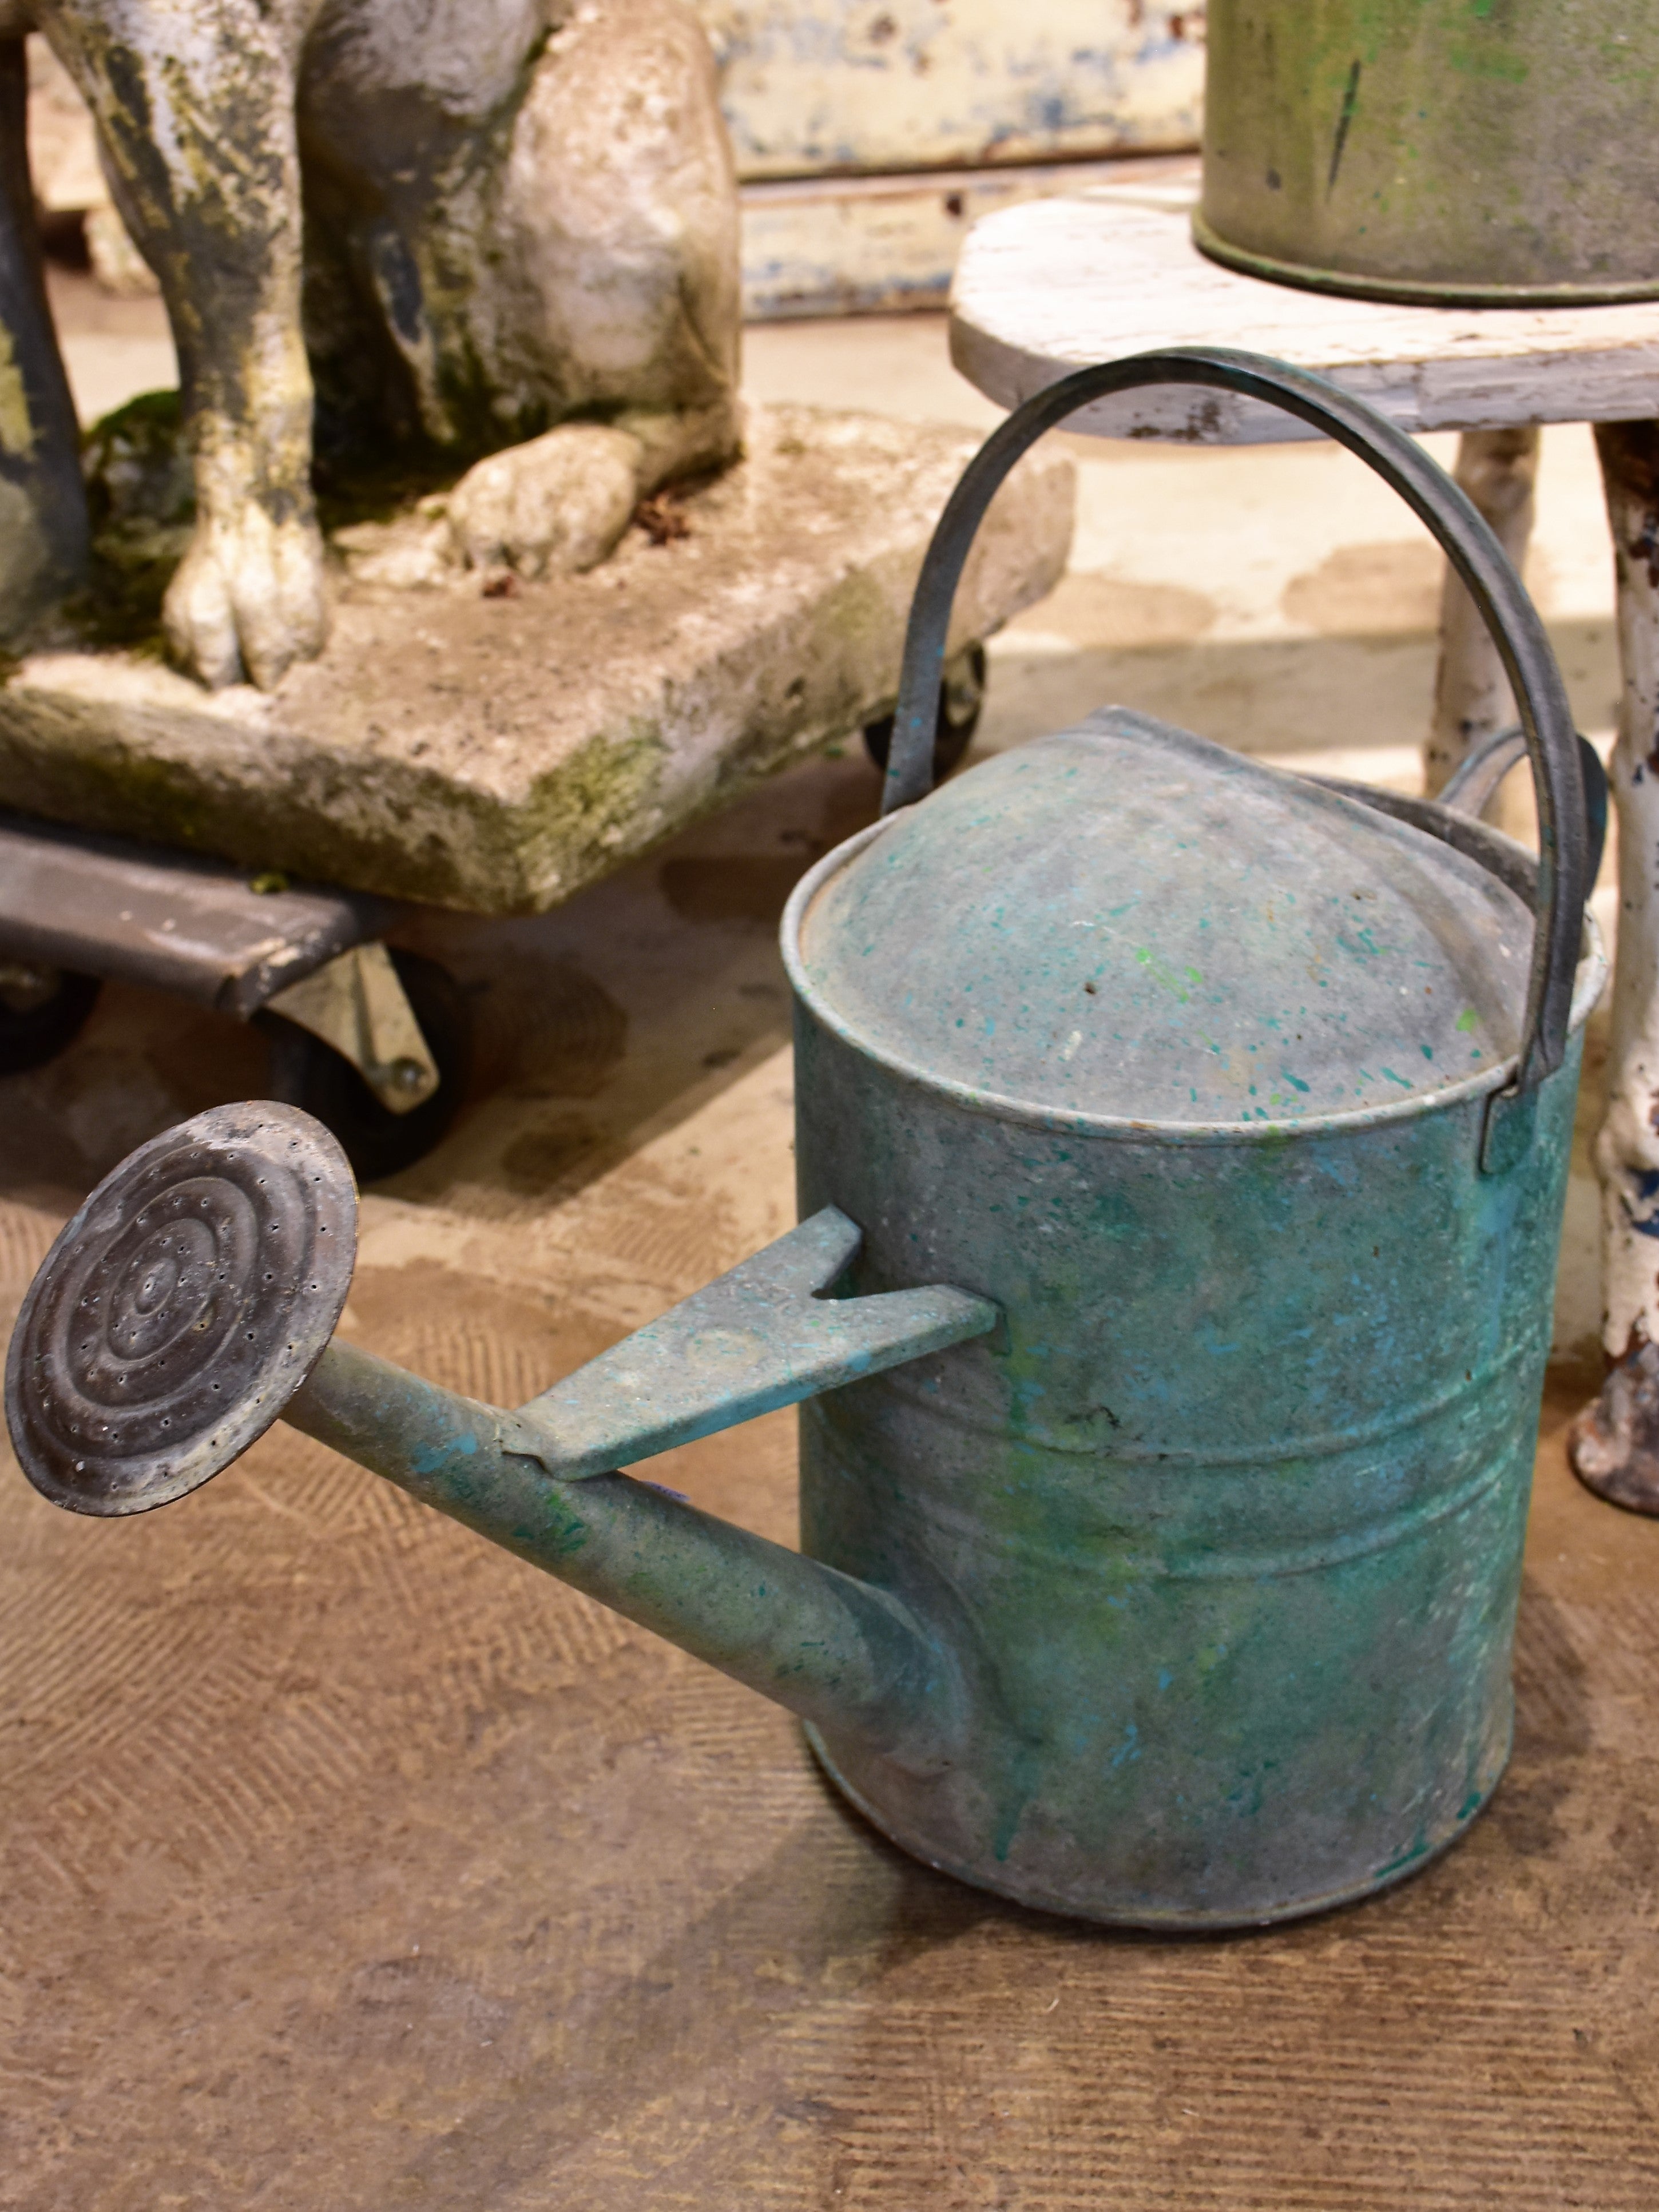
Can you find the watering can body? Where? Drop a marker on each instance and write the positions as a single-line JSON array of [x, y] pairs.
[[1181, 1151], [1226, 1521]]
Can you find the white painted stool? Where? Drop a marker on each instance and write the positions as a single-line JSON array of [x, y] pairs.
[[1052, 286]]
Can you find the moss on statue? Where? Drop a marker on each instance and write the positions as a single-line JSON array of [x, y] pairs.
[[496, 751], [141, 503]]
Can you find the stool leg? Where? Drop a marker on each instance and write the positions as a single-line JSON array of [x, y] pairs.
[[1497, 469], [1614, 1445]]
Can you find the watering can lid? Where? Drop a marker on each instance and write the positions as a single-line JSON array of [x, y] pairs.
[[1128, 922]]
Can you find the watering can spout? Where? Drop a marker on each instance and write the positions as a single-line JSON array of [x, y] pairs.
[[167, 1231], [834, 1649], [544, 1481]]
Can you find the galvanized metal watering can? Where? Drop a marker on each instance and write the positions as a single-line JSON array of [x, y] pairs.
[[1181, 1146]]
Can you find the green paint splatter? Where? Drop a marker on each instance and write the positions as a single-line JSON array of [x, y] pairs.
[[1165, 976]]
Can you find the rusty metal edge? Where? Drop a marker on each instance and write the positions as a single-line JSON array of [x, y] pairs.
[[1408, 291], [1162, 1923]]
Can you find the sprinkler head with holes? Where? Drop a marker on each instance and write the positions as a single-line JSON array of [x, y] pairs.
[[181, 1308]]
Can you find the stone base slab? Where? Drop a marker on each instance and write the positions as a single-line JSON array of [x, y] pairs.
[[496, 753]]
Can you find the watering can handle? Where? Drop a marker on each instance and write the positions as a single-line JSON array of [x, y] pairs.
[[1469, 544]]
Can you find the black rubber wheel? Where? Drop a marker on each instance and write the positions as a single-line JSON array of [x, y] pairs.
[[961, 700], [42, 1011], [307, 1073]]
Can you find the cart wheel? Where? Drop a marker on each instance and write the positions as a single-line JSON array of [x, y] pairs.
[[961, 697], [307, 1073], [42, 1011]]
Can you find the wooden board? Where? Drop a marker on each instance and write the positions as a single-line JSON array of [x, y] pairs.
[[878, 244], [1053, 285], [817, 87]]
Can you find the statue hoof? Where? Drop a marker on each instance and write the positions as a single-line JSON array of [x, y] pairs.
[[1613, 1445], [556, 505], [181, 1308], [247, 600]]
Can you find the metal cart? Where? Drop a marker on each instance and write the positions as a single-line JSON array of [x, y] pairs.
[[375, 1042]]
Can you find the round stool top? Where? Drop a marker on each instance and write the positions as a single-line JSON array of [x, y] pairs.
[[1052, 285]]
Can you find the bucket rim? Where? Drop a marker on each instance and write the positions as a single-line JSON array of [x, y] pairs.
[[1590, 982], [1414, 291]]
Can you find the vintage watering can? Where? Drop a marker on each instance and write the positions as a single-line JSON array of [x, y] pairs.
[[1182, 1152]]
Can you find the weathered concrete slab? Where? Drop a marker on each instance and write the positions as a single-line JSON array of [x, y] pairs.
[[496, 752]]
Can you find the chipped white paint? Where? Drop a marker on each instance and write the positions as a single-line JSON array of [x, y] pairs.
[[1627, 1149], [1498, 470], [871, 133], [814, 85]]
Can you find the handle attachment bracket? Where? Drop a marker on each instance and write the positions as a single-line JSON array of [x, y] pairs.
[[753, 1340]]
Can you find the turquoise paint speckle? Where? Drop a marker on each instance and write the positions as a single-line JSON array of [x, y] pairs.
[[1129, 1748], [1415, 1849], [430, 1457]]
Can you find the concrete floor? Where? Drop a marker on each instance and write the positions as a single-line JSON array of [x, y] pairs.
[[347, 1862]]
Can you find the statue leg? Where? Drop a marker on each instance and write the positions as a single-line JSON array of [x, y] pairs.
[[1614, 1446], [43, 508], [1497, 469], [622, 192], [552, 242], [194, 103], [619, 217]]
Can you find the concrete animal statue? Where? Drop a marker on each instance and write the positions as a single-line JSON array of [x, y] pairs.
[[436, 227]]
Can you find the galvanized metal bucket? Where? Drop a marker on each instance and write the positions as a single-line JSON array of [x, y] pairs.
[[1413, 150]]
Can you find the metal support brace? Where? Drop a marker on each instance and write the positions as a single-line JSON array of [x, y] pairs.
[[356, 1004], [756, 1339]]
